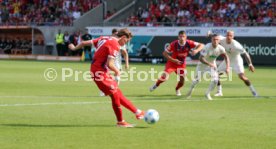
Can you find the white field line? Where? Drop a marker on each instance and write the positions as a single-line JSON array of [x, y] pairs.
[[108, 102]]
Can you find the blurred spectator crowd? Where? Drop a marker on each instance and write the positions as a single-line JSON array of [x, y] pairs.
[[15, 46], [43, 12], [205, 13]]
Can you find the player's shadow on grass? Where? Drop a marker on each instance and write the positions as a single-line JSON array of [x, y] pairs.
[[61, 126]]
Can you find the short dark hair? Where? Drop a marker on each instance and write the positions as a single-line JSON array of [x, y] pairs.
[[124, 32], [214, 35], [114, 30], [181, 32]]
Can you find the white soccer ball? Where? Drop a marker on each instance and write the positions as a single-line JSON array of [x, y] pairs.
[[151, 116]]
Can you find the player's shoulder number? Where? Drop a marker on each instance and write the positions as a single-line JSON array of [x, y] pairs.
[[102, 41]]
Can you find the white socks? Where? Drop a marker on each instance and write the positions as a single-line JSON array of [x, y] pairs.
[[219, 89], [252, 89], [211, 87]]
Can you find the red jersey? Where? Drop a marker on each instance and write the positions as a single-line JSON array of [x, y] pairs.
[[105, 47], [180, 52], [95, 42]]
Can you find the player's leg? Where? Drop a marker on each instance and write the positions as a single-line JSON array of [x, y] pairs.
[[248, 83], [116, 105], [129, 105], [221, 70], [163, 78], [107, 85], [181, 73], [198, 74], [180, 84], [239, 69], [214, 82]]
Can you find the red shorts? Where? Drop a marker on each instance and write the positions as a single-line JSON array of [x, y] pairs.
[[179, 70], [105, 82]]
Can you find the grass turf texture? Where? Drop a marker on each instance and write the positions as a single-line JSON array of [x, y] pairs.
[[35, 113]]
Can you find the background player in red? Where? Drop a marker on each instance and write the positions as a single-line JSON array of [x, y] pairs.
[[176, 54], [103, 60]]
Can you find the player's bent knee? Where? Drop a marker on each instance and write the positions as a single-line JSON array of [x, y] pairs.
[[215, 81], [242, 77]]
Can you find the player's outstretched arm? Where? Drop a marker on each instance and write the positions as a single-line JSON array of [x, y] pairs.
[[169, 58], [198, 48], [249, 62], [226, 58], [79, 46], [204, 61], [71, 46], [125, 54]]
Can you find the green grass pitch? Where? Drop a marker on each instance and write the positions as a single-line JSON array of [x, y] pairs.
[[36, 114]]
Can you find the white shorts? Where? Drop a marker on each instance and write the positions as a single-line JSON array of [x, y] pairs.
[[203, 70], [236, 65]]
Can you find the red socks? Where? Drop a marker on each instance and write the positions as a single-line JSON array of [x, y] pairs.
[[116, 105], [161, 80], [117, 99], [179, 85], [126, 103]]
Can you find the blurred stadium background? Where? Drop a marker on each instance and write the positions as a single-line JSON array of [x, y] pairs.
[[36, 113], [29, 27]]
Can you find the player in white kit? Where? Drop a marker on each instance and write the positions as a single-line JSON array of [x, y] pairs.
[[234, 51], [118, 58], [207, 64]]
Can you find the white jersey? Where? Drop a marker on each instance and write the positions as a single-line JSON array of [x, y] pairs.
[[210, 53], [234, 49], [118, 58]]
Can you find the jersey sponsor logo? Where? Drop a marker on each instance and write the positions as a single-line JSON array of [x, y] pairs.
[[229, 50], [213, 56]]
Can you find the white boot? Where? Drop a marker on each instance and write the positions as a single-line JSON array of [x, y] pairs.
[[219, 92], [189, 94], [253, 91], [102, 94], [208, 96], [178, 93], [151, 89]]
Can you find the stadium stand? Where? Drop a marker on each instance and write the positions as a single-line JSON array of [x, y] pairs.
[[44, 12], [205, 13]]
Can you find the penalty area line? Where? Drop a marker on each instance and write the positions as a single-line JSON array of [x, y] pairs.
[[108, 102]]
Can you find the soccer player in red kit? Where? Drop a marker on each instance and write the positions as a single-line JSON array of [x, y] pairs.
[[103, 61], [176, 54]]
